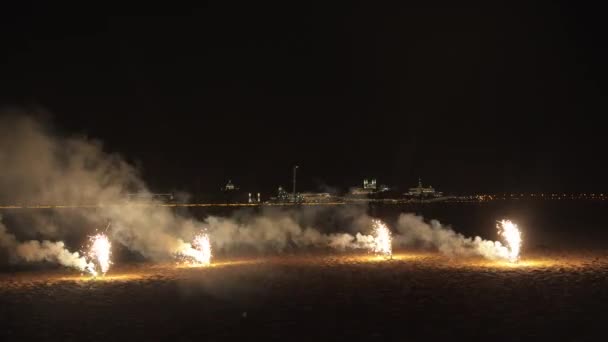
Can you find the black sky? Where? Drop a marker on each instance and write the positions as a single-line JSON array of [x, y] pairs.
[[477, 97]]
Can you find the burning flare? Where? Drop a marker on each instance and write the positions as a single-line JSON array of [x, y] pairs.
[[199, 252], [512, 235], [382, 243], [100, 251]]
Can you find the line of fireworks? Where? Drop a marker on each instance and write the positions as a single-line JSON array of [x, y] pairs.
[[380, 242], [97, 258], [199, 252]]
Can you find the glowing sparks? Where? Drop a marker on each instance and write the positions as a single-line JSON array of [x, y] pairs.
[[198, 253], [509, 231], [89, 267], [382, 239], [100, 252]]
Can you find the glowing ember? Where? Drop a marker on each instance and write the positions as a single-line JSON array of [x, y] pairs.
[[382, 239], [197, 253], [100, 251], [509, 231]]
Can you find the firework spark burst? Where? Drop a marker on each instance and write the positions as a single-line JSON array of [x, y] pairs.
[[382, 244], [100, 251], [198, 253], [512, 235]]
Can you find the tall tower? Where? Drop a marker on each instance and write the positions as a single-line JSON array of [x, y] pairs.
[[294, 182]]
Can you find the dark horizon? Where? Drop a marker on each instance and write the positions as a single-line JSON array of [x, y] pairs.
[[472, 98]]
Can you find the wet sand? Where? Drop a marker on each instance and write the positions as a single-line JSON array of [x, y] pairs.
[[413, 297]]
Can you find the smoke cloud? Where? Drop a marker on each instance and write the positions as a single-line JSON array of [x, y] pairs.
[[281, 229], [413, 231], [36, 251], [42, 167]]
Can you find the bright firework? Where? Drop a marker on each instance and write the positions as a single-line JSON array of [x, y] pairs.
[[382, 239], [197, 253], [100, 251], [509, 231]]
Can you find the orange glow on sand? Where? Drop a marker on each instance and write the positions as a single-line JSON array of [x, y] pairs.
[[107, 278], [533, 262], [381, 258], [223, 263], [420, 261]]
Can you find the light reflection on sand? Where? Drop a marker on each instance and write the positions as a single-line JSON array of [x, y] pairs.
[[216, 264], [525, 263], [173, 271], [106, 278], [532, 262]]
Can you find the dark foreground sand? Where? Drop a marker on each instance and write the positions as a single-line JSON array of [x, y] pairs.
[[415, 297]]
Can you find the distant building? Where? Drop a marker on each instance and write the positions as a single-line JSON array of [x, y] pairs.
[[229, 186], [233, 194], [369, 184], [369, 187], [316, 197], [421, 191], [285, 197]]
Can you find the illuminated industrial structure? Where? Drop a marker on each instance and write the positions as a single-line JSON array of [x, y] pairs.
[[316, 197], [369, 184], [369, 187], [233, 194], [285, 197], [421, 191], [294, 197], [229, 186]]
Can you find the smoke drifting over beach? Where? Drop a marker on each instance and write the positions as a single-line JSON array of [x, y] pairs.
[[42, 167], [277, 230], [413, 231], [35, 251]]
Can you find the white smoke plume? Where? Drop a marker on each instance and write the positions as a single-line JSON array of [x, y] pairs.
[[277, 230], [413, 231], [36, 251], [40, 167]]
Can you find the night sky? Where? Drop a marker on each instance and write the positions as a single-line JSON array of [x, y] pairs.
[[473, 98]]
